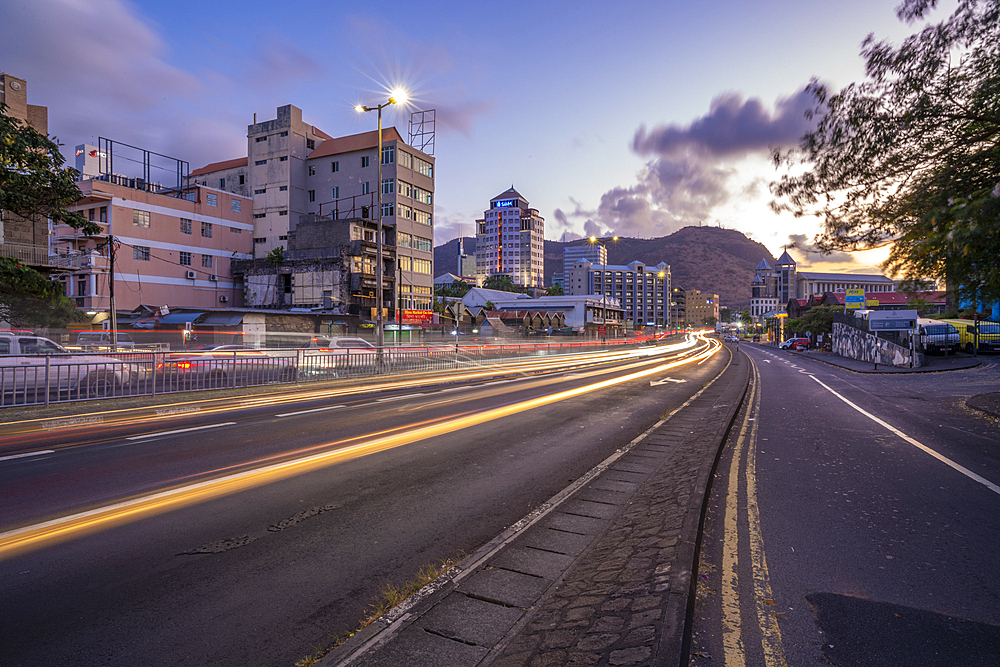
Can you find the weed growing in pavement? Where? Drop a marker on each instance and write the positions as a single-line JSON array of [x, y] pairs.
[[390, 596]]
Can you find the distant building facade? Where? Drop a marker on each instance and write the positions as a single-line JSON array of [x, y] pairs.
[[643, 291], [510, 241]]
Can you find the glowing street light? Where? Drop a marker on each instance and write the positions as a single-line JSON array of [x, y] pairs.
[[397, 97]]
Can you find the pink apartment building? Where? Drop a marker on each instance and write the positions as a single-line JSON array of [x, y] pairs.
[[172, 247]]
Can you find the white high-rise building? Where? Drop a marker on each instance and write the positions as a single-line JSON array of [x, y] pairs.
[[510, 240]]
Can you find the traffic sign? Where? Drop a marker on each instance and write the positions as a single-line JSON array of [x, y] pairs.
[[855, 298]]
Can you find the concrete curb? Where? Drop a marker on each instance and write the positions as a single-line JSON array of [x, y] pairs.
[[885, 372], [988, 403]]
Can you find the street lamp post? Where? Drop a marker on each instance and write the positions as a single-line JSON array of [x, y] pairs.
[[397, 97]]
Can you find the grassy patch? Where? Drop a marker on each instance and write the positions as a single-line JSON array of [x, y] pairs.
[[390, 595]]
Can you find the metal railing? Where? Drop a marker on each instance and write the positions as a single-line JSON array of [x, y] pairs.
[[46, 379]]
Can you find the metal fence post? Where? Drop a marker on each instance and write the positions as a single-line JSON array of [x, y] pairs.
[[48, 367]]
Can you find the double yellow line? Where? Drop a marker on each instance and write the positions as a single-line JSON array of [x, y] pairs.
[[734, 647]]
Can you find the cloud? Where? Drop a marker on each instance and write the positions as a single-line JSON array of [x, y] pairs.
[[733, 127], [693, 170], [811, 254]]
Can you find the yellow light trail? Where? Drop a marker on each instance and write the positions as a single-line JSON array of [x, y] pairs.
[[30, 538]]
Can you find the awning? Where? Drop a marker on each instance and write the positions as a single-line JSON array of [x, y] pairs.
[[222, 320], [179, 318]]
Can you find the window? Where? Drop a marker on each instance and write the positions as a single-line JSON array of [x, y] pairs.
[[388, 154], [260, 162], [212, 199], [312, 195], [185, 226], [91, 214], [236, 205], [222, 184], [283, 134], [421, 266], [140, 218], [242, 179], [422, 244], [310, 144], [312, 170], [258, 216], [283, 238], [403, 240], [260, 240], [235, 230], [260, 191], [365, 189], [406, 264], [185, 258], [405, 159], [423, 167], [282, 212], [335, 192], [283, 158], [282, 188], [335, 166], [206, 230], [260, 139], [422, 217], [140, 253], [104, 214], [388, 186], [364, 160], [206, 261], [81, 287], [189, 195], [387, 210]]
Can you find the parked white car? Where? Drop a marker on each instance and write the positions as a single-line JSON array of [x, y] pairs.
[[33, 364]]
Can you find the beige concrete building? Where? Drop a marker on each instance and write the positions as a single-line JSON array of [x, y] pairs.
[[643, 291], [510, 241], [294, 171], [701, 307]]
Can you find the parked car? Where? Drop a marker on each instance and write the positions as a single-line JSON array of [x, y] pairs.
[[31, 364], [101, 340], [342, 356], [794, 344], [219, 366]]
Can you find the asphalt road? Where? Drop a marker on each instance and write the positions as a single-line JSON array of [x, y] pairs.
[[854, 535], [265, 567]]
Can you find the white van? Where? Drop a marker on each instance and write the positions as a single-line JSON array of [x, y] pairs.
[[935, 336]]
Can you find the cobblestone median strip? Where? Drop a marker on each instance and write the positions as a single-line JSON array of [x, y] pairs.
[[600, 575]]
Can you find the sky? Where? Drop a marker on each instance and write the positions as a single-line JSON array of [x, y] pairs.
[[626, 118]]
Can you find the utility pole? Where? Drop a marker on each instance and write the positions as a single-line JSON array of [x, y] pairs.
[[111, 292]]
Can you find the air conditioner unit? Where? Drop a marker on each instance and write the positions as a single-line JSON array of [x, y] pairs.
[[214, 278], [223, 299], [190, 275]]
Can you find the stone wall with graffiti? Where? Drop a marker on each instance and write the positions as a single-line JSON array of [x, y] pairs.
[[856, 344]]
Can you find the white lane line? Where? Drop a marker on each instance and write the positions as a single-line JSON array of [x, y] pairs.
[[397, 398], [305, 412], [180, 430], [453, 389], [924, 448], [26, 454]]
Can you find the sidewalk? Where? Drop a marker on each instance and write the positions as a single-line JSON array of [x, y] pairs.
[[600, 575], [932, 364]]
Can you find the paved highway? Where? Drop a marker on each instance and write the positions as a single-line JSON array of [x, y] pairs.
[[854, 522], [254, 532]]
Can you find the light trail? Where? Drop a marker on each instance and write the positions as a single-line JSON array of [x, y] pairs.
[[30, 538]]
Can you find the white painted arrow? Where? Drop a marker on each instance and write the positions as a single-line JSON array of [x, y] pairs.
[[656, 383]]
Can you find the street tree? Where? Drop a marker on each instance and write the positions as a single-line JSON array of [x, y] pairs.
[[910, 157], [31, 300], [33, 180], [554, 290]]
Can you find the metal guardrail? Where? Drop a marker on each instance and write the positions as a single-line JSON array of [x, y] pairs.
[[45, 379]]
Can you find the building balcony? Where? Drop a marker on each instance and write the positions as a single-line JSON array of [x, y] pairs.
[[77, 262]]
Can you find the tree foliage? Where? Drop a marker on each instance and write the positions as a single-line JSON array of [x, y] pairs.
[[502, 282], [817, 320], [32, 300], [555, 290], [457, 289], [33, 180], [911, 156]]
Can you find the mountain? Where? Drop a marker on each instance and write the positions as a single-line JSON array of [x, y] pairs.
[[711, 259]]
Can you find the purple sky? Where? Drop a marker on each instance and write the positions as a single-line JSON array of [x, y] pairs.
[[636, 118]]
